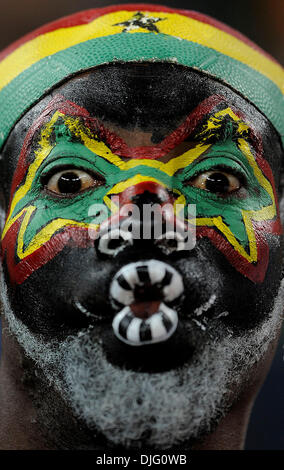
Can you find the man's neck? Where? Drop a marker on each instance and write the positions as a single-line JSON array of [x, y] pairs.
[[18, 423]]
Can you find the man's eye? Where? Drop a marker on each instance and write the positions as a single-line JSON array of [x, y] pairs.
[[216, 181], [71, 181]]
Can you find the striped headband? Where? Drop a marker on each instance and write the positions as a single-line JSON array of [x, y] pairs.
[[33, 65]]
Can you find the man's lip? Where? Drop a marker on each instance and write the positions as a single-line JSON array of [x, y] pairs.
[[156, 357], [159, 326], [140, 288], [146, 280], [146, 309], [138, 322], [143, 309]]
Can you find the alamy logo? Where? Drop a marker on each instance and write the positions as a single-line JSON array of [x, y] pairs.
[[164, 224]]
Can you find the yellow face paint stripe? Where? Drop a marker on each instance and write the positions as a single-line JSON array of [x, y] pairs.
[[173, 24], [121, 186], [266, 213], [252, 256], [40, 157], [224, 229], [170, 168], [45, 234]]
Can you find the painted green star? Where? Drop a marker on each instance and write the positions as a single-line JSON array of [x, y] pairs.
[[139, 20]]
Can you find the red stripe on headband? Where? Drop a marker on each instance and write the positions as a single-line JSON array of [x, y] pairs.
[[86, 16]]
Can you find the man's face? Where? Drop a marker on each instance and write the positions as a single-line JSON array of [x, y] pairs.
[[145, 341]]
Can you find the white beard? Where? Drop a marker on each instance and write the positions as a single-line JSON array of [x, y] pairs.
[[158, 410]]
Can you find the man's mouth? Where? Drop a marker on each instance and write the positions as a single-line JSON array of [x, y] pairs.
[[146, 325], [146, 291]]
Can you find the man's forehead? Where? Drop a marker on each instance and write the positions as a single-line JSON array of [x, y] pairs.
[[152, 97], [149, 94]]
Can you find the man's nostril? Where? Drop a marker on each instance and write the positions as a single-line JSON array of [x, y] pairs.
[[148, 197], [172, 243], [111, 242], [114, 244]]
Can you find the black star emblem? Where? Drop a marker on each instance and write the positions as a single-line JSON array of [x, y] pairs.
[[139, 20]]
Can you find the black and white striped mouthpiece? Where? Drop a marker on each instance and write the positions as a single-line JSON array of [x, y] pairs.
[[161, 324]]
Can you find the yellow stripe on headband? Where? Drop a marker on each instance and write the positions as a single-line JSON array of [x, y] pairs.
[[172, 24]]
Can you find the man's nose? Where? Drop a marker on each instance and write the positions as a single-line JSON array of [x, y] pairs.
[[146, 216]]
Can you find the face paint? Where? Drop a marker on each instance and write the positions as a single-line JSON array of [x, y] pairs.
[[198, 343], [235, 224]]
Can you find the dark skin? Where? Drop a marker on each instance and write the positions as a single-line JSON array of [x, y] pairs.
[[129, 114]]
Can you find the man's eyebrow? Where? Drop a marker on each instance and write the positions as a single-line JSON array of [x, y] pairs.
[[118, 146], [213, 120], [207, 123]]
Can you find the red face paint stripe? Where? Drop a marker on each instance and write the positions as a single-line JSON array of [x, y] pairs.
[[84, 17], [254, 273], [266, 170], [125, 197], [19, 272], [119, 147]]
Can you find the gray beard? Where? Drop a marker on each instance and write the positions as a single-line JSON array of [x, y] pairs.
[[158, 410]]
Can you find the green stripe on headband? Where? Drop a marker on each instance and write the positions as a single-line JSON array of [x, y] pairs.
[[30, 86]]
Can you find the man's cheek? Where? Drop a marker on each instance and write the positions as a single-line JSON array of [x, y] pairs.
[[218, 290], [46, 299], [25, 248]]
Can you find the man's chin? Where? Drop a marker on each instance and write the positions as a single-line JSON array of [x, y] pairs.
[[133, 409], [150, 409]]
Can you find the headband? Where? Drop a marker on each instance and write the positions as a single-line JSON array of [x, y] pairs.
[[36, 63]]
